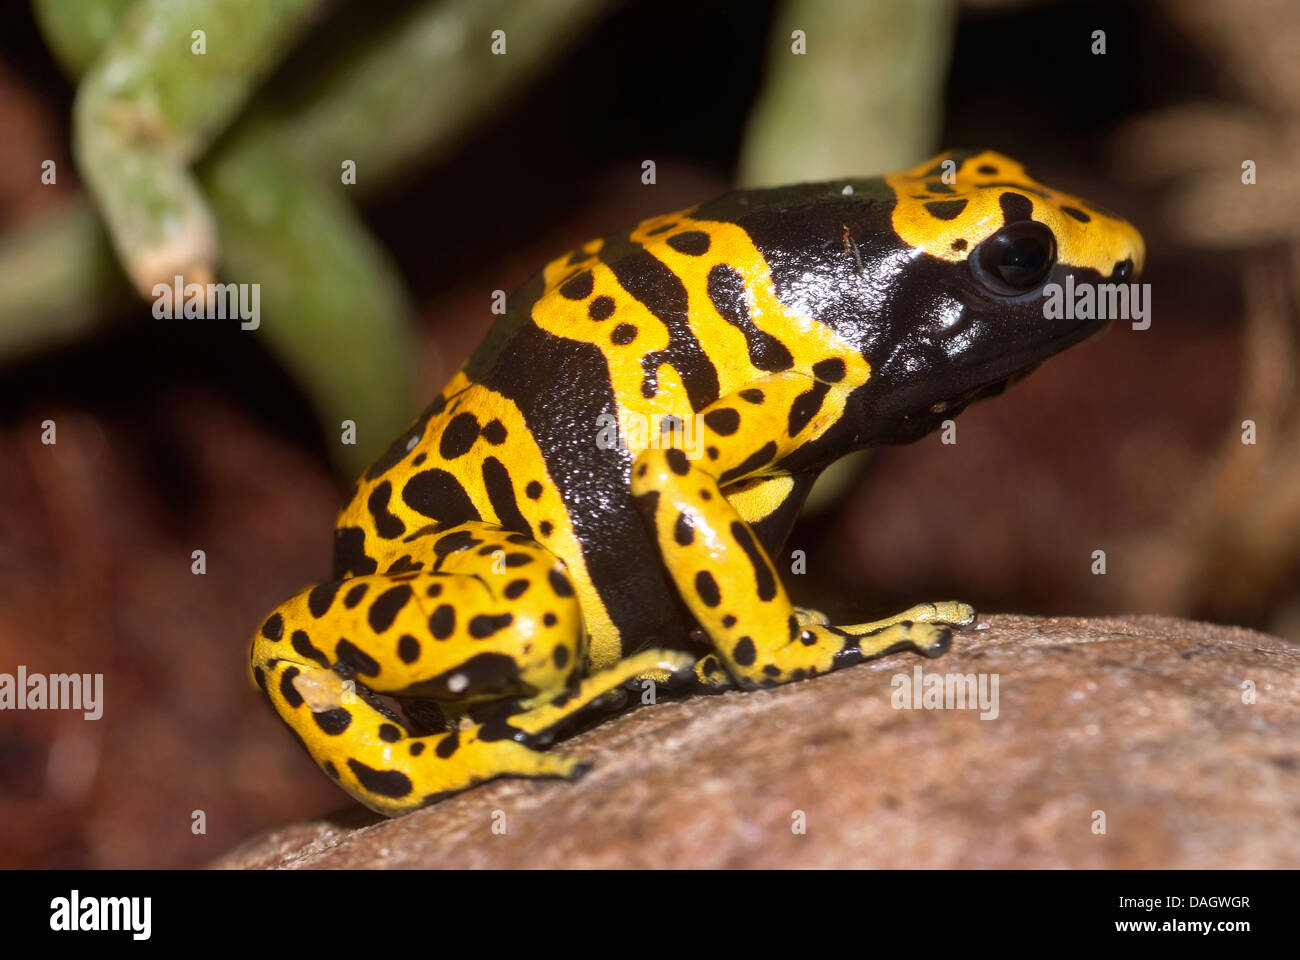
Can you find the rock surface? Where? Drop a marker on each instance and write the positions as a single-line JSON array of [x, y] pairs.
[[1142, 719]]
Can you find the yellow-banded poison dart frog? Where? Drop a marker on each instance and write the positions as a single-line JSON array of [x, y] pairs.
[[500, 568]]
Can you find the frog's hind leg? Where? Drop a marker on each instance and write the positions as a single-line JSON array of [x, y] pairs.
[[496, 618]]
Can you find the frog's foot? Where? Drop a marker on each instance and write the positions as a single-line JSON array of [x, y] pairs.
[[944, 613], [497, 619], [536, 719]]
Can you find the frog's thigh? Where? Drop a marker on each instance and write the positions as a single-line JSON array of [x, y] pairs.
[[488, 624]]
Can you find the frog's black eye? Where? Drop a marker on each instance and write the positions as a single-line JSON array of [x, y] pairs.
[[1016, 259]]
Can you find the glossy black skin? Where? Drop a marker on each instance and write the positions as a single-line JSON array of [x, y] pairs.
[[932, 332]]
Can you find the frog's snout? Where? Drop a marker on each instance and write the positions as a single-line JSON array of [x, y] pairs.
[[1131, 254]]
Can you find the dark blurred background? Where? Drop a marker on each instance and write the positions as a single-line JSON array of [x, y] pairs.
[[175, 436]]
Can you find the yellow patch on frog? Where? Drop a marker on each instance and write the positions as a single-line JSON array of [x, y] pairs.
[[807, 340], [948, 220], [755, 499], [523, 459]]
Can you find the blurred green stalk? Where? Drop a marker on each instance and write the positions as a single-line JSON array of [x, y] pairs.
[[334, 309]]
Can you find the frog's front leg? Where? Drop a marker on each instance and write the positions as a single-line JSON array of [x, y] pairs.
[[494, 618], [721, 570]]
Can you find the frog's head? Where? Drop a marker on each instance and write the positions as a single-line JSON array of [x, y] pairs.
[[988, 257]]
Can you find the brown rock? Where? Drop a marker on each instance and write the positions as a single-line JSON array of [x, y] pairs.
[[1142, 719]]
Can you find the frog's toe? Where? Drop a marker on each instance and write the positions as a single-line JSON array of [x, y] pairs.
[[809, 617]]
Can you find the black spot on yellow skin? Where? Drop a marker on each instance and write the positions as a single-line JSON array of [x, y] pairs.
[[550, 619], [832, 369], [389, 733], [302, 645], [485, 624], [560, 657], [333, 722], [707, 588], [545, 528], [726, 289], [501, 492], [442, 622], [771, 670], [946, 209], [349, 658], [602, 308], [448, 746], [1016, 207], [495, 433], [437, 494], [805, 407], [387, 525], [533, 490], [404, 568], [684, 531], [330, 770], [259, 675], [987, 169], [515, 589], [938, 186], [433, 590], [578, 287], [752, 395], [354, 595], [1077, 214], [759, 458], [560, 583], [273, 628], [408, 648], [517, 559], [387, 606], [417, 748], [729, 621], [459, 437], [454, 542], [287, 690], [744, 653], [350, 554], [959, 244], [623, 334], [677, 462], [383, 783], [694, 243], [763, 574], [321, 597], [723, 421]]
